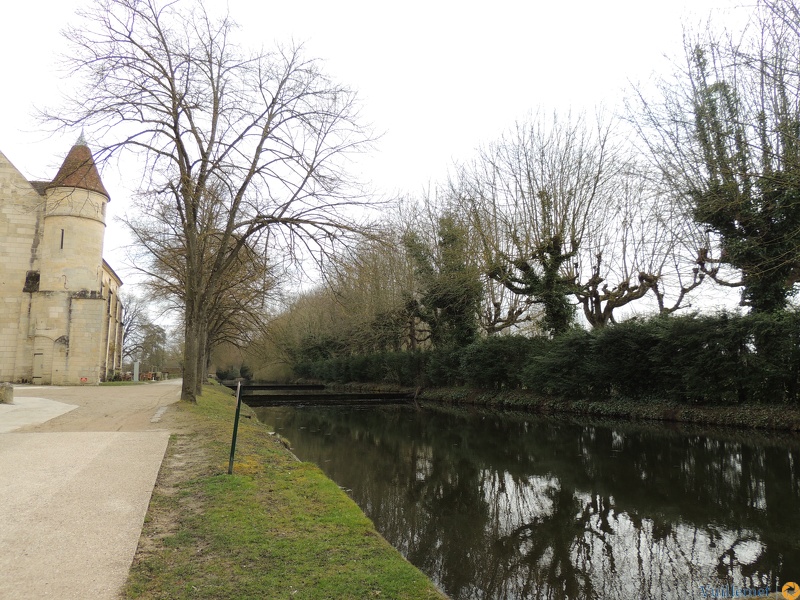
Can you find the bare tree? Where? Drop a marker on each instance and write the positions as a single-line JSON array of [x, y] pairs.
[[567, 217], [143, 339], [234, 143], [135, 318], [555, 211], [637, 248], [372, 287], [239, 307]]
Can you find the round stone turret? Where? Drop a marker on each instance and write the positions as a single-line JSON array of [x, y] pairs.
[[74, 225]]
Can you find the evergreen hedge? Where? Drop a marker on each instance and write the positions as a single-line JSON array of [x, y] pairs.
[[719, 359]]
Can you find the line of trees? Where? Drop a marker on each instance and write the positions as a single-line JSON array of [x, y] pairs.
[[144, 340], [570, 221], [555, 221], [563, 220]]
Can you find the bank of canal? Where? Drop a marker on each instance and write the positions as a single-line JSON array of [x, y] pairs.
[[276, 528], [526, 506]]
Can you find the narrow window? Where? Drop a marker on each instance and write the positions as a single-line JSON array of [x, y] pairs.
[[62, 239]]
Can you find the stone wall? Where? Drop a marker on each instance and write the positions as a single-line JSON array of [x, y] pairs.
[[20, 232], [86, 347]]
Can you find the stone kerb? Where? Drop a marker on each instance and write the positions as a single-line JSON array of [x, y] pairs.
[[6, 393]]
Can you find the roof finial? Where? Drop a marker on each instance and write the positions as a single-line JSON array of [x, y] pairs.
[[81, 140]]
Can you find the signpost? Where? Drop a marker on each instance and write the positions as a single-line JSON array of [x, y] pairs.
[[235, 426]]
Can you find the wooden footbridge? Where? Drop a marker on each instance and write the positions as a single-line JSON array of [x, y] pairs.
[[280, 394]]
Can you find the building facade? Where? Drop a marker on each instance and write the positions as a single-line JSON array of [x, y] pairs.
[[60, 314]]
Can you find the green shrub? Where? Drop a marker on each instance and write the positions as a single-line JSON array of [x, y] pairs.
[[564, 368], [443, 367], [621, 364], [717, 359], [227, 373], [498, 362]]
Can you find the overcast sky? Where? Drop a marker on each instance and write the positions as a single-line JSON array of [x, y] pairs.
[[438, 78]]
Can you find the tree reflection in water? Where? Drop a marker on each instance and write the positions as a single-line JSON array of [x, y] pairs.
[[511, 507]]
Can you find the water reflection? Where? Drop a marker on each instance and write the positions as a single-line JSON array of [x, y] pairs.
[[494, 507]]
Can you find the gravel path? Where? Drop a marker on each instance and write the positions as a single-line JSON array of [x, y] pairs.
[[77, 467]]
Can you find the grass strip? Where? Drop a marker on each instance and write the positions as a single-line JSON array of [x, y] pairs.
[[276, 528]]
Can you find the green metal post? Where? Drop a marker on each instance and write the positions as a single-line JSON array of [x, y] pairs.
[[235, 425]]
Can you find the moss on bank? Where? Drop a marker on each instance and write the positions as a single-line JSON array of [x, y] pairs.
[[780, 417], [277, 528]]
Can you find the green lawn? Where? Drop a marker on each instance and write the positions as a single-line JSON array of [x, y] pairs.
[[277, 528]]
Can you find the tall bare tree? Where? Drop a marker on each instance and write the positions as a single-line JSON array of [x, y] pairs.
[[238, 309], [233, 142], [135, 319]]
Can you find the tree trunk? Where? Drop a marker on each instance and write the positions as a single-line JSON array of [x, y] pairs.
[[188, 391], [191, 349], [202, 345]]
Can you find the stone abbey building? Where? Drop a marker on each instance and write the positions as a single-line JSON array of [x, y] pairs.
[[60, 314]]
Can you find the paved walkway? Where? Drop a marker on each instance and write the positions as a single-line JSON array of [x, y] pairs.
[[30, 411], [77, 467]]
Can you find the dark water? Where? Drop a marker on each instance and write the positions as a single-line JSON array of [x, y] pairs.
[[522, 507]]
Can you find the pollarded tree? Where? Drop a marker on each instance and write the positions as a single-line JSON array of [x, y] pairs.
[[448, 300], [553, 205], [240, 142], [726, 133], [640, 243]]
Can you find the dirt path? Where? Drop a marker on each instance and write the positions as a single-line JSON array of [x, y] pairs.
[[106, 408]]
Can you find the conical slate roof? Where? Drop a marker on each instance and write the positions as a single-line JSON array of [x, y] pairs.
[[79, 171]]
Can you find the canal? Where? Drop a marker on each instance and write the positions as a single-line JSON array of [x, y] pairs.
[[518, 506]]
